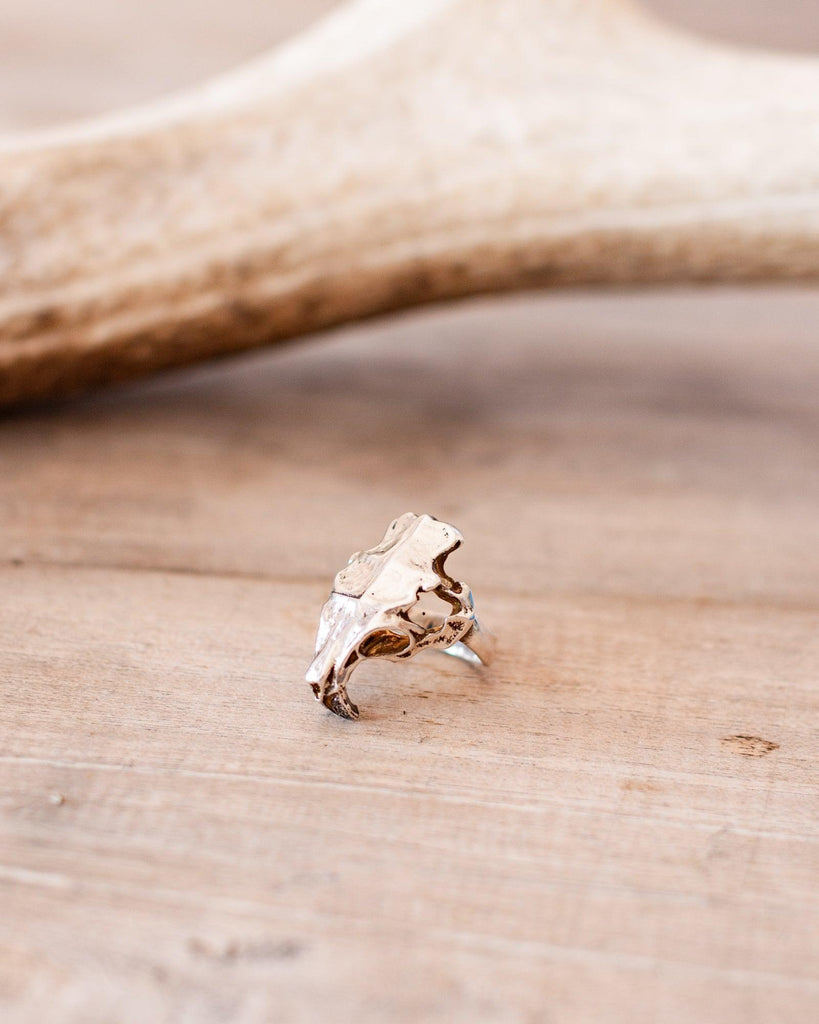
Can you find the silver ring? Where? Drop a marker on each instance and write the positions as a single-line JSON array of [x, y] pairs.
[[377, 609]]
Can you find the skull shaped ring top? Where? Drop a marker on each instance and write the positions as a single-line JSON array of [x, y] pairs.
[[380, 607]]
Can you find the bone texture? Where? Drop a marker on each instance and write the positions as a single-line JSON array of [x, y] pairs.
[[395, 155], [372, 611]]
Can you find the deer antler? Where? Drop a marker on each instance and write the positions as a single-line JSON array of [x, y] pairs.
[[398, 154]]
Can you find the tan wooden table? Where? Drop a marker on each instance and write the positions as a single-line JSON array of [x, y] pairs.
[[619, 823]]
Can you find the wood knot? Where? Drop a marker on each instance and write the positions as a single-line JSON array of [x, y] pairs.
[[234, 950], [749, 746]]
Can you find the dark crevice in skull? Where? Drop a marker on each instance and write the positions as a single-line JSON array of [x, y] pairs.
[[438, 566], [383, 643]]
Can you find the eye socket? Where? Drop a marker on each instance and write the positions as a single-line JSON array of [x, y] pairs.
[[430, 610], [383, 643]]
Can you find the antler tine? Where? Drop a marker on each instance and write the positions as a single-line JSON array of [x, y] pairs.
[[396, 155]]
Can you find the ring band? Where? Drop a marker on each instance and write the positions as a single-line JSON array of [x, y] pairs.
[[378, 609]]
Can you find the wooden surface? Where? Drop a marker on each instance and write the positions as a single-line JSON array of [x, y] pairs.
[[397, 155], [619, 823]]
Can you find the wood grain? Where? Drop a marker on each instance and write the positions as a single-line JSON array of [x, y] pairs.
[[620, 823]]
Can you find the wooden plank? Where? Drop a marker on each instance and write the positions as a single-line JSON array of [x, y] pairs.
[[618, 822], [693, 421], [582, 811], [628, 798]]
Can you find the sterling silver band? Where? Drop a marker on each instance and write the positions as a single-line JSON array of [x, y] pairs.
[[477, 647]]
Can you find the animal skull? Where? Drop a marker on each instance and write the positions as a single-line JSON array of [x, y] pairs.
[[372, 611]]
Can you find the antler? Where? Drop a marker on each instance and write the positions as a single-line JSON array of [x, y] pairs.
[[398, 154]]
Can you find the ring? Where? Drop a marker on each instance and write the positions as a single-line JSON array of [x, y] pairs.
[[392, 602]]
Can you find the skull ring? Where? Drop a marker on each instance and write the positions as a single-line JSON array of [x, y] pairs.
[[380, 608]]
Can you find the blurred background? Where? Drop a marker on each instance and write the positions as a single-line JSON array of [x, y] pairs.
[[63, 59]]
